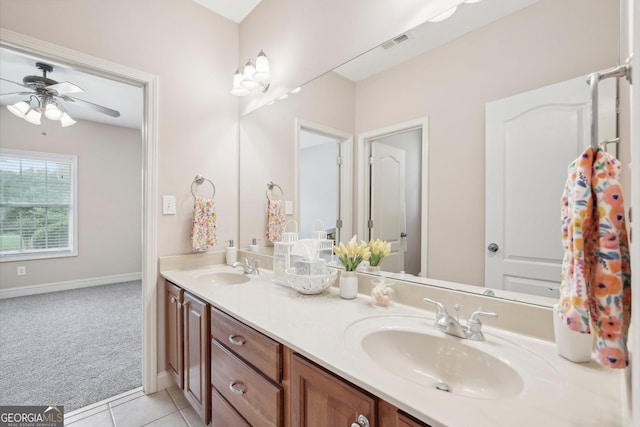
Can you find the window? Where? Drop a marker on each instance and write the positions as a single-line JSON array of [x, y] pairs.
[[38, 212]]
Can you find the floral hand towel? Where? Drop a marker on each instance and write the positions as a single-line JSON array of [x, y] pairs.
[[203, 230], [275, 220], [595, 293]]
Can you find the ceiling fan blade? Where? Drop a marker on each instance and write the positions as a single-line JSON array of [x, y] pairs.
[[15, 83], [96, 107], [17, 93], [64, 88]]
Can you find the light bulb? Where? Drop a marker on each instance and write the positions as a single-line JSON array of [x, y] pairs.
[[444, 15], [66, 120], [52, 112], [20, 109], [248, 82], [237, 89], [263, 71], [33, 117]]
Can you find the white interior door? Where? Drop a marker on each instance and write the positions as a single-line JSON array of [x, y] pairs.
[[531, 138], [388, 206]]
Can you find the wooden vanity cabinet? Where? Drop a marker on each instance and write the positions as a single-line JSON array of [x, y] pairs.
[[320, 399], [390, 416], [246, 375], [187, 350]]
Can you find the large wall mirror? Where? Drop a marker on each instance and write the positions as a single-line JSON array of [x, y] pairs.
[[455, 78]]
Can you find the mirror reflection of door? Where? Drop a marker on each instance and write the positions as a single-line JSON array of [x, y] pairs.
[[319, 183], [536, 133], [395, 201]]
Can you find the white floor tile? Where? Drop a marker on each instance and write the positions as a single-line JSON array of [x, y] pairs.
[[178, 397], [77, 416], [126, 398], [192, 417], [101, 419], [172, 420], [143, 410]]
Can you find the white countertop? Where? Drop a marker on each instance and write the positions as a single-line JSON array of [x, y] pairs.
[[314, 326]]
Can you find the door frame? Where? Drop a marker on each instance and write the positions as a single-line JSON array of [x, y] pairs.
[[363, 179], [346, 171], [149, 83]]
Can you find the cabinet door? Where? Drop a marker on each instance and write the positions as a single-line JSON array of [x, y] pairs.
[[173, 326], [196, 356], [390, 416], [319, 399]]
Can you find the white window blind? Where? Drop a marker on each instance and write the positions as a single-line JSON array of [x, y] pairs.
[[37, 205]]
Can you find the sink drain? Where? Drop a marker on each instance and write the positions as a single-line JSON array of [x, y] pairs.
[[442, 387]]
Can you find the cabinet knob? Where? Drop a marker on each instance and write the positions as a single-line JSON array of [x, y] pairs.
[[362, 422], [236, 339], [237, 387], [175, 301]]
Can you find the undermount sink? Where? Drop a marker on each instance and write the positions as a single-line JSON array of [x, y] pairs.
[[221, 278], [409, 348]]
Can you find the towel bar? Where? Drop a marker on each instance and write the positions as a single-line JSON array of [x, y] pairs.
[[200, 179]]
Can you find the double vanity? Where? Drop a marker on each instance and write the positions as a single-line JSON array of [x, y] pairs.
[[247, 351]]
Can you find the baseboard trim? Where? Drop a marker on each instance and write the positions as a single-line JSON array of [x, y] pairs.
[[71, 284], [164, 380]]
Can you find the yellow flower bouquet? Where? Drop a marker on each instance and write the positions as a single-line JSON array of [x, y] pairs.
[[352, 254], [379, 249]]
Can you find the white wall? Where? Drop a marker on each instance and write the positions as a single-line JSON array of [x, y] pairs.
[[109, 199], [318, 187], [453, 83]]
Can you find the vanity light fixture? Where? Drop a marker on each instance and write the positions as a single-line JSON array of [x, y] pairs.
[[252, 77], [448, 13], [45, 106]]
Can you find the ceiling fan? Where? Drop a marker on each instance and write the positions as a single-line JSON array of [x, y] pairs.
[[46, 96]]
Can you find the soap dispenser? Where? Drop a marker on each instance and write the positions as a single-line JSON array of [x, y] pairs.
[[232, 253], [253, 247]]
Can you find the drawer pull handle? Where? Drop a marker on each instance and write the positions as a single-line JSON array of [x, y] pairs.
[[174, 301], [236, 339], [237, 387], [362, 422]]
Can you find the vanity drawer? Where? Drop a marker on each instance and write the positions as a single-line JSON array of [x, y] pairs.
[[223, 414], [255, 348], [256, 398]]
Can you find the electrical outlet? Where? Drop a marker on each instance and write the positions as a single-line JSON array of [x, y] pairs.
[[22, 270], [288, 207]]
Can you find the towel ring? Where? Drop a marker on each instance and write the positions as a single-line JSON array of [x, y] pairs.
[[270, 186], [199, 179]]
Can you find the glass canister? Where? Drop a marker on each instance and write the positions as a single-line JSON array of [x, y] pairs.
[[383, 293]]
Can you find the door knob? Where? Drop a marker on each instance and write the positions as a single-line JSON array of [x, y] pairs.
[[493, 247], [403, 234]]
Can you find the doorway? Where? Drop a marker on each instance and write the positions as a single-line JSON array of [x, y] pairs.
[[98, 66], [394, 204]]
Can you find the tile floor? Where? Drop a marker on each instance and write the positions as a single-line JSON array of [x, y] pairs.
[[166, 408]]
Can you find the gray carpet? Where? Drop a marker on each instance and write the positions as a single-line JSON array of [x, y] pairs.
[[71, 348]]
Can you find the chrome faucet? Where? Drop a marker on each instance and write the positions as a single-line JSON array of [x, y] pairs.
[[450, 325], [249, 266]]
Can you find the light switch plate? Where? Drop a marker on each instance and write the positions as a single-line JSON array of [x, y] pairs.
[[288, 207], [168, 205]]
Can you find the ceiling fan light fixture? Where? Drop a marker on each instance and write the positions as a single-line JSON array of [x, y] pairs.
[[66, 120], [20, 108], [34, 117], [52, 112]]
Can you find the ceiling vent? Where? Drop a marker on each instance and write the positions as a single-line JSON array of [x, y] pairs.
[[396, 41]]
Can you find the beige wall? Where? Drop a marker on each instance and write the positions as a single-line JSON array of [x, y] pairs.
[[267, 150], [453, 83], [194, 52], [109, 199], [307, 38]]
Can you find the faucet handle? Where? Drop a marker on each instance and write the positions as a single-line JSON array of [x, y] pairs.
[[442, 311], [473, 319]]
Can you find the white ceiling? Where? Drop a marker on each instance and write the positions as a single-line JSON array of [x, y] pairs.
[[122, 97], [234, 10]]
